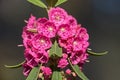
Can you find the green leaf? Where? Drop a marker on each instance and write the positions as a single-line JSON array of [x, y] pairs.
[[33, 75], [15, 66], [96, 54], [78, 71], [51, 3], [60, 2], [38, 3], [56, 75], [55, 50]]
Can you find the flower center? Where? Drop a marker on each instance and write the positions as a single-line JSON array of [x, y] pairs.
[[57, 18], [50, 29], [62, 29], [42, 41], [75, 43]]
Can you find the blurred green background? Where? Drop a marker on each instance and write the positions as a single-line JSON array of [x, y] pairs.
[[100, 17]]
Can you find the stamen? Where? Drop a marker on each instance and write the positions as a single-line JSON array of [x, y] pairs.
[[25, 21], [20, 45]]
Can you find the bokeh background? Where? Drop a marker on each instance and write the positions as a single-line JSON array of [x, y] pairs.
[[100, 17]]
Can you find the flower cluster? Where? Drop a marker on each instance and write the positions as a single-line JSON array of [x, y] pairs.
[[39, 35]]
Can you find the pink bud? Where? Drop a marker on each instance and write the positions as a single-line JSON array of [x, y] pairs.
[[68, 71]]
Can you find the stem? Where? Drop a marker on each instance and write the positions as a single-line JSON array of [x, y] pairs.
[[96, 54], [15, 66]]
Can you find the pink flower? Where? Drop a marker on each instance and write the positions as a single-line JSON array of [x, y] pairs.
[[82, 33], [78, 57], [31, 23], [32, 63], [62, 63], [40, 23], [29, 54], [85, 44], [27, 37], [73, 24], [31, 20], [83, 59], [64, 55], [42, 20], [42, 57], [27, 34], [75, 57], [41, 42], [69, 42], [48, 29], [82, 37], [26, 69], [30, 58], [27, 43], [46, 71], [72, 21], [68, 71], [74, 44], [57, 15], [66, 44], [77, 44], [63, 43], [64, 31]]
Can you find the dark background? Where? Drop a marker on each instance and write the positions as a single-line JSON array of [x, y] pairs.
[[100, 17]]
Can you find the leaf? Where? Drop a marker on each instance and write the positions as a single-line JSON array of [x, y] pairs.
[[55, 50], [38, 3], [96, 54], [33, 75], [78, 71], [51, 3], [56, 75], [60, 2], [15, 66]]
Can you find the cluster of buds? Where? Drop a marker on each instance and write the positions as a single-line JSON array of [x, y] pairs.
[[39, 35]]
